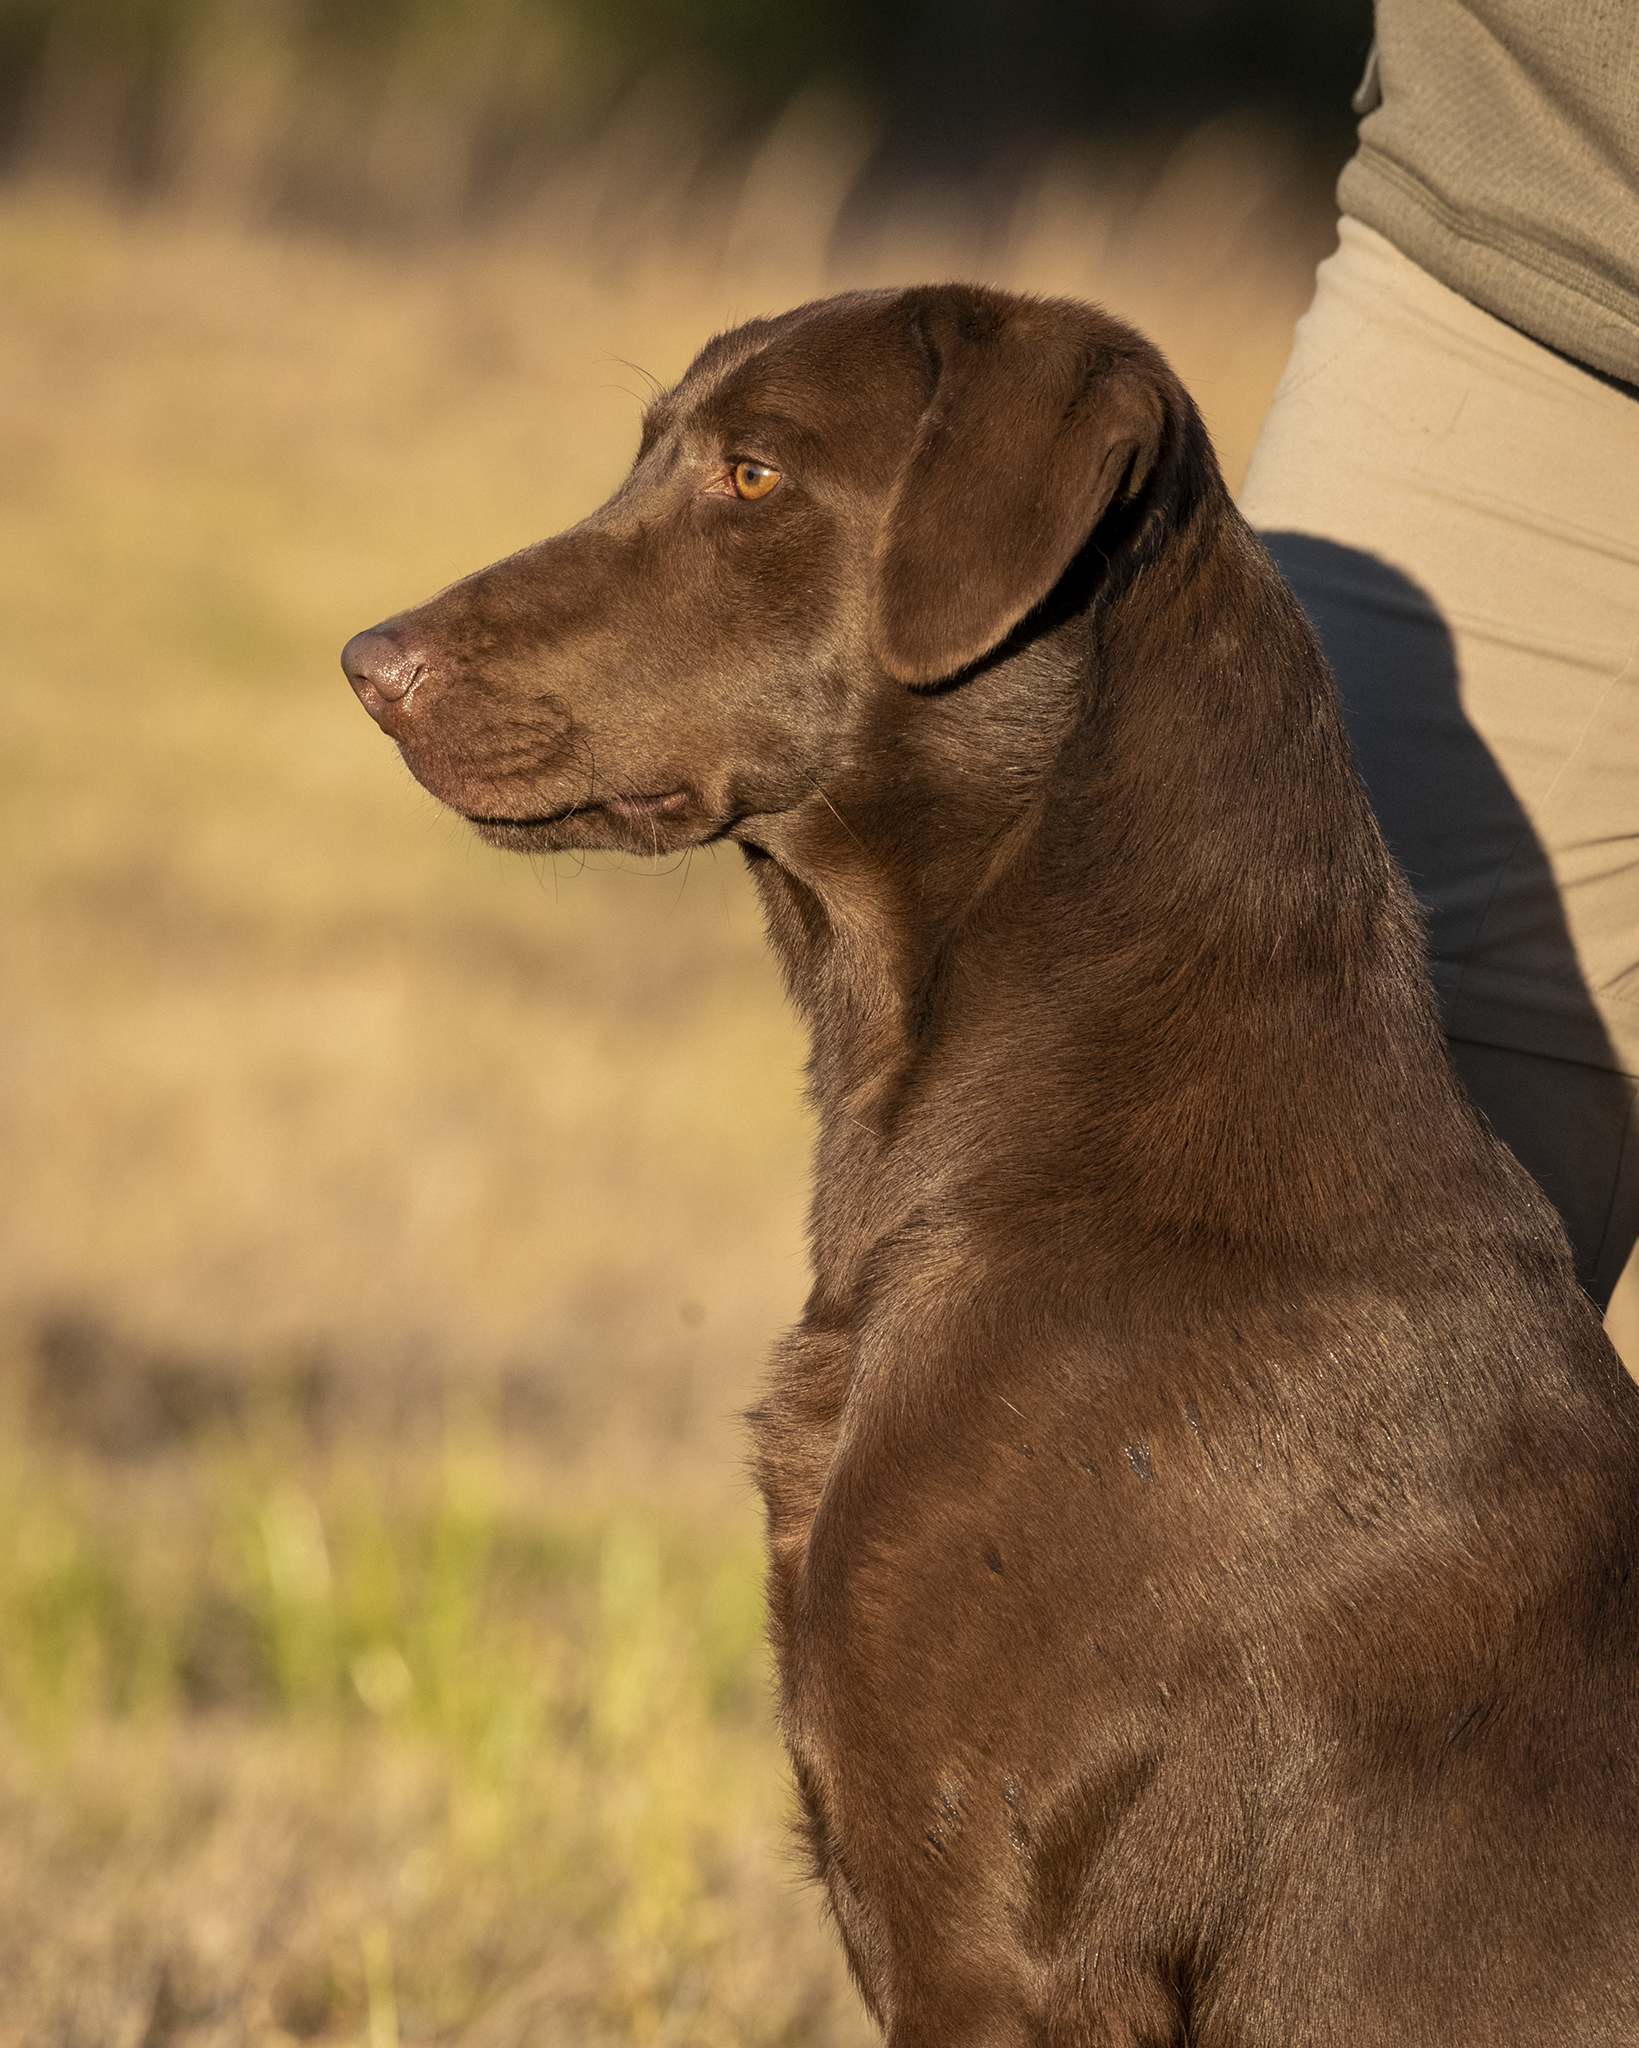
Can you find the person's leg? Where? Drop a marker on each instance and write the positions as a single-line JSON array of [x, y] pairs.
[[1455, 508]]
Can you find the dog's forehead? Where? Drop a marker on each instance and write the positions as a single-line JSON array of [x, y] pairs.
[[821, 369]]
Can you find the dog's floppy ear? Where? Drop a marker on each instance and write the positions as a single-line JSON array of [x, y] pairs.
[[1042, 411]]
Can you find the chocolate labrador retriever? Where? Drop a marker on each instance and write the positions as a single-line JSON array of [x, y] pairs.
[[1201, 1504]]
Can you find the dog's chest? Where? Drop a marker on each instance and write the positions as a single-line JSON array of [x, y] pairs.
[[933, 1566]]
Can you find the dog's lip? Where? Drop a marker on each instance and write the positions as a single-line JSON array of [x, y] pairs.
[[666, 804]]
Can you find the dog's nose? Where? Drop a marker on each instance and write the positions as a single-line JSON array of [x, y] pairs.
[[381, 669]]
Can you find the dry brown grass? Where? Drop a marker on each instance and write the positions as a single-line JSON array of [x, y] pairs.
[[390, 1231]]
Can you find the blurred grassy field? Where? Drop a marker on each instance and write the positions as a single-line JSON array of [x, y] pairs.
[[391, 1231]]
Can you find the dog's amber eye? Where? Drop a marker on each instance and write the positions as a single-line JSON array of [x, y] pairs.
[[754, 479]]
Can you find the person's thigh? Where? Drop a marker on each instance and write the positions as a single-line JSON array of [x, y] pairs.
[[1457, 509]]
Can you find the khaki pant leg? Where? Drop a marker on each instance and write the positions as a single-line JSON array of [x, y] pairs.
[[1457, 509]]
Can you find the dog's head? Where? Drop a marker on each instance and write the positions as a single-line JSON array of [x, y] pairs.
[[867, 493]]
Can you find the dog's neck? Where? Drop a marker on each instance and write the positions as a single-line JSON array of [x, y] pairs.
[[1037, 931]]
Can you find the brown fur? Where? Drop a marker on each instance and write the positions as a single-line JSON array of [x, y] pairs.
[[1201, 1505]]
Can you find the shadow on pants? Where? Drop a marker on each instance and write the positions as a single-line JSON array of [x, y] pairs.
[[1453, 822]]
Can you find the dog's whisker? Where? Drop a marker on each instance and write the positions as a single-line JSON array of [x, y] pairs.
[[831, 807]]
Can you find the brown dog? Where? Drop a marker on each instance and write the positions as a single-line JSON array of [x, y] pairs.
[[1202, 1506]]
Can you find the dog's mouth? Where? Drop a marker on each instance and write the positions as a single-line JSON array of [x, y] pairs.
[[587, 824]]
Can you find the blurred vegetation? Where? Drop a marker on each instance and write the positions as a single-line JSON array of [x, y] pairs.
[[363, 1736], [388, 1230], [443, 111]]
